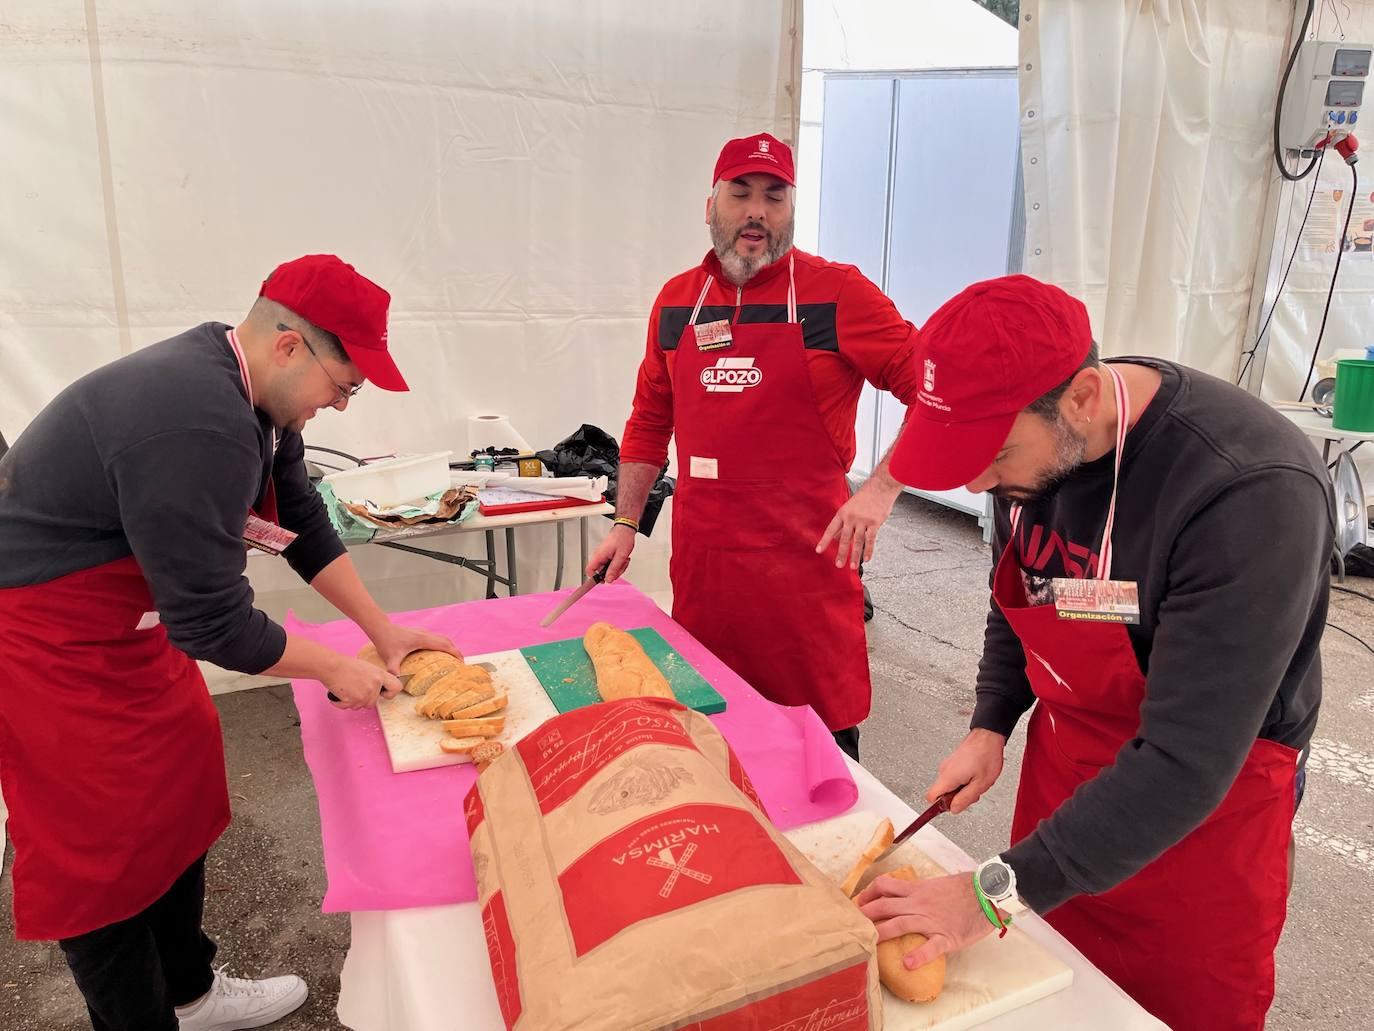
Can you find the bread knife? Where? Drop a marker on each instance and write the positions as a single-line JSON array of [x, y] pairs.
[[598, 577], [404, 678], [941, 805]]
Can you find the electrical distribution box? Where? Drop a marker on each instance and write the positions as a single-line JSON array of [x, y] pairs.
[[1325, 92]]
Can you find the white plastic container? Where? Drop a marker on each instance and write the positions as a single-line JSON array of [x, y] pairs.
[[393, 481]]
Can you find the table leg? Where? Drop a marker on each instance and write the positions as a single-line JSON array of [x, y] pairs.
[[558, 577], [511, 589], [582, 531], [491, 563]]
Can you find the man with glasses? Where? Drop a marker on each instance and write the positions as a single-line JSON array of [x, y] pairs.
[[126, 508]]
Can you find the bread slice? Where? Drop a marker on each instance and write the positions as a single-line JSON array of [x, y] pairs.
[[623, 670], [486, 752], [460, 745], [920, 985], [489, 726], [882, 837], [415, 661], [493, 704], [431, 674]]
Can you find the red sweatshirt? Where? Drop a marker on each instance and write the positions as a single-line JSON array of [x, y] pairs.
[[851, 331]]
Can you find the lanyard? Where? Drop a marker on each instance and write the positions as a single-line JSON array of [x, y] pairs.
[[791, 293], [1104, 562], [246, 376]]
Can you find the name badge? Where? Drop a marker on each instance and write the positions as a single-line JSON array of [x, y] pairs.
[[712, 336], [265, 536], [704, 468], [1097, 601]]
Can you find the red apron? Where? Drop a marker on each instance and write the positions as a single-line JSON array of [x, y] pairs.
[[1191, 937], [758, 482], [110, 750]]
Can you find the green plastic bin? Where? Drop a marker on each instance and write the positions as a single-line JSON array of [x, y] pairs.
[[1354, 407]]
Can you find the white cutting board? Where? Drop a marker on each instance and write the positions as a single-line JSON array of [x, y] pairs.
[[986, 980], [413, 741]]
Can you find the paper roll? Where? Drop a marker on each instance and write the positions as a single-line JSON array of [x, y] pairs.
[[486, 431]]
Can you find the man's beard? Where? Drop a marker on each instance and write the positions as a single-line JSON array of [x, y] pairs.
[[1069, 449], [739, 269]]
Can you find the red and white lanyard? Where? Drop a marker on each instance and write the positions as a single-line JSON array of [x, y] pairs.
[[246, 376], [791, 293], [1123, 418]]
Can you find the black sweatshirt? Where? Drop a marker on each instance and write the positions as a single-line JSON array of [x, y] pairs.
[[159, 455], [1225, 519]]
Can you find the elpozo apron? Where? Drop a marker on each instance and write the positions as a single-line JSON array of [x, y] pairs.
[[110, 748], [1190, 937], [759, 481]]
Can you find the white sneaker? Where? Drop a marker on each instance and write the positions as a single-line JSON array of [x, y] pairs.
[[234, 1003]]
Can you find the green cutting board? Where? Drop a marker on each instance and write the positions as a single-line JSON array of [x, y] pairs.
[[567, 676]]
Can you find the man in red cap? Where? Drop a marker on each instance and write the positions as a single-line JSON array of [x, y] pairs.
[[755, 361], [1159, 601], [126, 508]]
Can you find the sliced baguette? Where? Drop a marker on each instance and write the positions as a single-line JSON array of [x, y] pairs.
[[488, 726], [455, 703], [417, 660], [882, 837]]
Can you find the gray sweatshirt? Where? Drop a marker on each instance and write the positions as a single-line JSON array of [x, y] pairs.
[[1225, 519], [159, 455]]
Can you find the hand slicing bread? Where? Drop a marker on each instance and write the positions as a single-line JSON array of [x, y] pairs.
[[464, 697], [922, 984], [623, 670]]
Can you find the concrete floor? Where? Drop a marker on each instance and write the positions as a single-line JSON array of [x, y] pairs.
[[929, 584]]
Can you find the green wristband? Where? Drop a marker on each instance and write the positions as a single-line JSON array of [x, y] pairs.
[[989, 910]]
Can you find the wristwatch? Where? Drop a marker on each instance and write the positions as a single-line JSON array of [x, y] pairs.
[[997, 881]]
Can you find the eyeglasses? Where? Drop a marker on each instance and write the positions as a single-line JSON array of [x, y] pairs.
[[345, 392]]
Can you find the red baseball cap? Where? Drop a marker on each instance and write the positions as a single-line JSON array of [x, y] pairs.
[[762, 153], [334, 296], [982, 358]]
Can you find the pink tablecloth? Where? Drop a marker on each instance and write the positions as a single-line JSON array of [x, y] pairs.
[[392, 841]]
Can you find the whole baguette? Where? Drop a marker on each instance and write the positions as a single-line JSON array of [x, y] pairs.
[[623, 670], [920, 985]]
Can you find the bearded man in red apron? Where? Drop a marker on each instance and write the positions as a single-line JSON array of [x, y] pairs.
[[755, 361], [126, 508], [1159, 597]]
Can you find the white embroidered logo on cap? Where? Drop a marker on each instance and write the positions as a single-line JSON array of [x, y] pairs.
[[929, 381], [763, 146], [730, 376]]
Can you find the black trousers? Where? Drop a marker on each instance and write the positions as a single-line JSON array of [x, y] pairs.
[[848, 740], [133, 973]]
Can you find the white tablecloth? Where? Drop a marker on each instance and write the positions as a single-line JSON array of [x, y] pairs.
[[426, 969]]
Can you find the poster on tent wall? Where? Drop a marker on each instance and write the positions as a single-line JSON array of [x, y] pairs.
[[522, 176]]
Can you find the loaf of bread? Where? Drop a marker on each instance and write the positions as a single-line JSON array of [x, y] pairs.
[[425, 666], [623, 670], [920, 985], [455, 690], [493, 704]]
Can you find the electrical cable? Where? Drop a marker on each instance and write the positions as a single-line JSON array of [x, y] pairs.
[[1349, 450], [1347, 590], [1278, 107], [1340, 250], [1250, 355], [1359, 640], [330, 451]]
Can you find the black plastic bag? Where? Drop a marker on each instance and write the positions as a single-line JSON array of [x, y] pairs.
[[591, 451]]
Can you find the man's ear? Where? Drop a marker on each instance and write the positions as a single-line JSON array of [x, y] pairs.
[[710, 201]]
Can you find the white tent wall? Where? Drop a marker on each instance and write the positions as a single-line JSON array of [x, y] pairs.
[[522, 176]]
